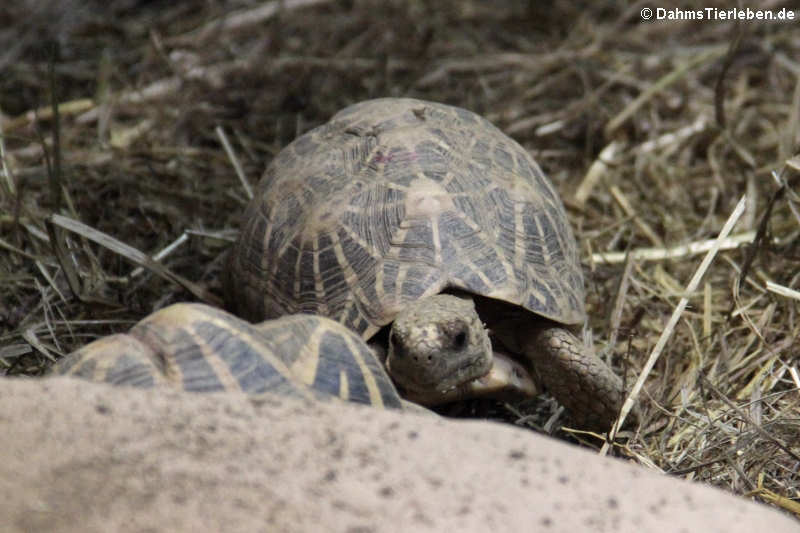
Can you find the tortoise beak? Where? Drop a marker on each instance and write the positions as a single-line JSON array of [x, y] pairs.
[[506, 379]]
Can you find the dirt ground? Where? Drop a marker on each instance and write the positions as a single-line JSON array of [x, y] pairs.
[[654, 131]]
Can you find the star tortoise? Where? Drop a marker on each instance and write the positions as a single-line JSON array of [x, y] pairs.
[[424, 228], [198, 348]]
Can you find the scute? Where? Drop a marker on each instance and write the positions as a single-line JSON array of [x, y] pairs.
[[503, 232], [197, 348]]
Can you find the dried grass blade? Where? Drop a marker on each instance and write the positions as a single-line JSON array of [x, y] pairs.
[[241, 19], [133, 255], [237, 166], [30, 337], [673, 320], [676, 252], [663, 83], [783, 291], [777, 499]]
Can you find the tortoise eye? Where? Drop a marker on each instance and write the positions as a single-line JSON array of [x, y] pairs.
[[394, 339]]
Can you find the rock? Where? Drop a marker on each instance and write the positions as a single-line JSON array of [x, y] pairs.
[[79, 456]]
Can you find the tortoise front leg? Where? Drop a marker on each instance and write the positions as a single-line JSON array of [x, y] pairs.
[[576, 377]]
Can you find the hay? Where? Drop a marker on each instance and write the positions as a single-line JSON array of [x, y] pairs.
[[651, 131]]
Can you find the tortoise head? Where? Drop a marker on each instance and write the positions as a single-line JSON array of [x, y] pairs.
[[437, 344]]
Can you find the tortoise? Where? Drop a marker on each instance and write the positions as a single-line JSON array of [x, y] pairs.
[[198, 348], [429, 232]]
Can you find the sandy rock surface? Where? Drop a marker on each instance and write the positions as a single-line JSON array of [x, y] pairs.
[[84, 457]]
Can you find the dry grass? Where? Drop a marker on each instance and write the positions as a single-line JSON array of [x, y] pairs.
[[653, 132]]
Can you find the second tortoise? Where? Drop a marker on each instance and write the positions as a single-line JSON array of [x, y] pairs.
[[197, 348], [427, 230]]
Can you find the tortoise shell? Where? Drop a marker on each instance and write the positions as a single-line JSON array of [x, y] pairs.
[[396, 199], [197, 348]]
